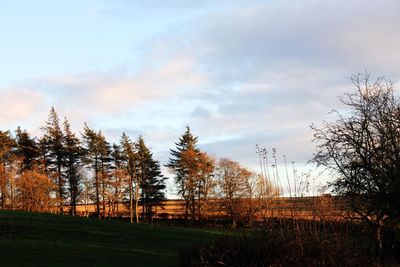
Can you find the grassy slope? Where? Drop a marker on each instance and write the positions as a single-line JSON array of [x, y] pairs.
[[32, 239]]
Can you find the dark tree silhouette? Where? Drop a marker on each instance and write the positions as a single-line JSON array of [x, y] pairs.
[[152, 181], [55, 154], [362, 147], [73, 156], [92, 158], [27, 150], [130, 165]]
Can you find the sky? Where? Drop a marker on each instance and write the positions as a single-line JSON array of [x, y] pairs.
[[239, 73]]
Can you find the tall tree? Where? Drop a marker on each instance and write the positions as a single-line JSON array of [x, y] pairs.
[[7, 144], [182, 163], [205, 183], [27, 155], [55, 154], [187, 162], [117, 181], [92, 157], [105, 166], [233, 187], [27, 150], [73, 155], [151, 180], [130, 157], [362, 148]]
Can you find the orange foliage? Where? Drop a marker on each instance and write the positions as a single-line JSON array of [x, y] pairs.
[[35, 191]]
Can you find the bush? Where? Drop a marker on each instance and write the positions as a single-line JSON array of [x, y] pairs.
[[284, 246]]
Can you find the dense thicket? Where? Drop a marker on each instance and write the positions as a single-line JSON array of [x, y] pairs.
[[288, 243]]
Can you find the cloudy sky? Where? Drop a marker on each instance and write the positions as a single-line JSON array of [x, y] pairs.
[[239, 73]]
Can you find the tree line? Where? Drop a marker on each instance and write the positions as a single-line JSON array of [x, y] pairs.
[[60, 170]]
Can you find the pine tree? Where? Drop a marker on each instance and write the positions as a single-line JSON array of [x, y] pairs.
[[105, 166], [151, 180], [190, 167], [53, 140], [130, 157], [92, 157], [117, 178], [7, 143], [27, 150], [73, 154]]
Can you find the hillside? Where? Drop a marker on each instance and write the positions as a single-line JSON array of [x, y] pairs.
[[33, 239]]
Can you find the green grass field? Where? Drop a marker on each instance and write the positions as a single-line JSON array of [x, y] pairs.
[[34, 239]]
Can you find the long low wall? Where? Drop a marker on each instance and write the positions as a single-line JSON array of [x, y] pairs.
[[324, 207]]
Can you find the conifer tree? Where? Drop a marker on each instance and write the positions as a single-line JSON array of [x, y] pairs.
[[117, 177], [27, 150], [73, 154], [53, 140], [6, 147], [130, 157], [151, 180], [92, 157], [190, 167]]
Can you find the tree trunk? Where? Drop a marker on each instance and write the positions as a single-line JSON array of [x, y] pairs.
[[137, 202], [379, 243], [130, 199], [3, 185], [103, 196], [97, 190], [12, 192], [60, 189], [144, 212]]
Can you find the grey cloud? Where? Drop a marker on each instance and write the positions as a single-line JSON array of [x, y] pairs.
[[279, 36], [200, 112], [246, 73]]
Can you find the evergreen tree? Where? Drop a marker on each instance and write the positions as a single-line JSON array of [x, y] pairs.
[[105, 166], [43, 148], [130, 158], [27, 150], [73, 154], [152, 181], [92, 157], [117, 177], [27, 154], [185, 162], [53, 140], [7, 144]]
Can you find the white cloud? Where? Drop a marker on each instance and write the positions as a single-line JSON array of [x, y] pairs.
[[19, 105]]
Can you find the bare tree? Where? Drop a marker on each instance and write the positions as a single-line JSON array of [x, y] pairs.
[[362, 147], [88, 195], [233, 187]]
